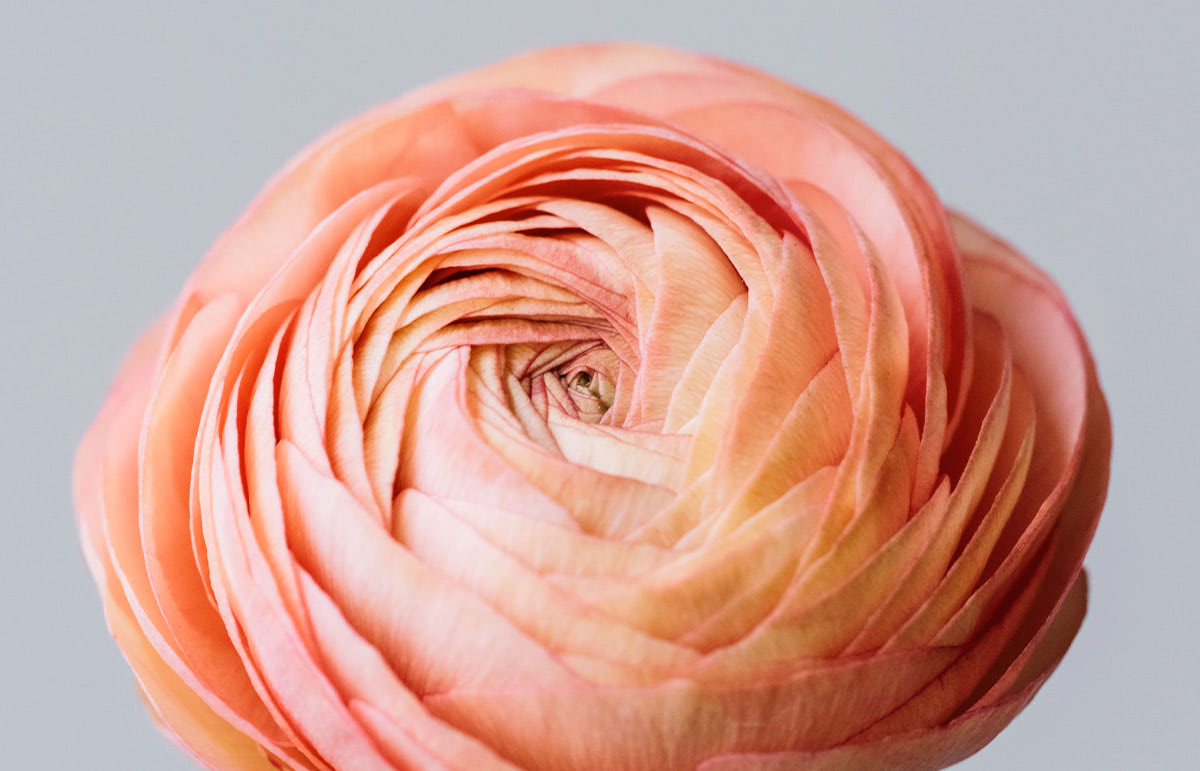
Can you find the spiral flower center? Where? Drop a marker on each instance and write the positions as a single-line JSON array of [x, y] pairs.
[[591, 392]]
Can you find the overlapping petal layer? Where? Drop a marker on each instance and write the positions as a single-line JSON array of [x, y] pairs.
[[610, 407]]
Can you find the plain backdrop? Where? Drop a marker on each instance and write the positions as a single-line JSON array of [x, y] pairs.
[[131, 134]]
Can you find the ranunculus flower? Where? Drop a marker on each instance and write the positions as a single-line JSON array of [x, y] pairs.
[[607, 408]]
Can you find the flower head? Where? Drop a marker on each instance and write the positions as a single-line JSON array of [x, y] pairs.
[[610, 407]]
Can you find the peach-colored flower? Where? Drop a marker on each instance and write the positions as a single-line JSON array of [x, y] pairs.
[[607, 408]]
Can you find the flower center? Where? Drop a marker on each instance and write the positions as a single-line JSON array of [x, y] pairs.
[[591, 391]]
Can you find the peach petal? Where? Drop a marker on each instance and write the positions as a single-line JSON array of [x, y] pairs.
[[391, 713], [181, 713], [438, 636], [172, 419], [305, 700], [433, 535], [538, 730]]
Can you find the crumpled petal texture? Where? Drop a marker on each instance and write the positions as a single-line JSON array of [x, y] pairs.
[[608, 408]]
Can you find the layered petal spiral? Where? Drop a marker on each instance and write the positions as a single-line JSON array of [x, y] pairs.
[[606, 408]]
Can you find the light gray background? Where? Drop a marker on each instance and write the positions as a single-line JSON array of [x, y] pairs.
[[132, 134]]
